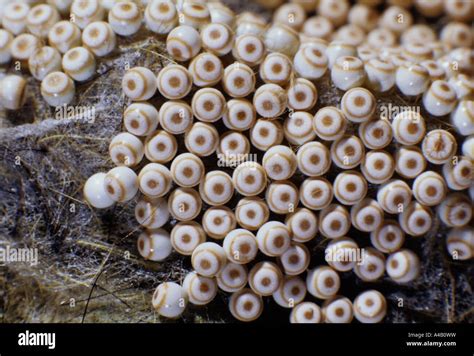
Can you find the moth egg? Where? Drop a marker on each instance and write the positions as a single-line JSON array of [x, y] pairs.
[[220, 13], [208, 259], [454, 34], [251, 213], [232, 278], [12, 91], [273, 238], [351, 34], [347, 152], [184, 204], [412, 79], [380, 74], [250, 23], [337, 49], [329, 123], [372, 266], [65, 35], [313, 42], [440, 99], [459, 10], [126, 149], [217, 38], [200, 290], [6, 39], [303, 225], [313, 159], [174, 81], [160, 147], [468, 147], [429, 8], [463, 85], [307, 5], [206, 69], [265, 278], [84, 13], [306, 313], [364, 16], [350, 187], [216, 188], [125, 18], [334, 221], [245, 305], [377, 166], [335, 11], [370, 307], [396, 19], [41, 18], [415, 51], [249, 178], [99, 38], [170, 300], [152, 213], [409, 161], [23, 46], [298, 128], [154, 180], [279, 162], [435, 70], [154, 245], [186, 236], [388, 237], [161, 16], [201, 139], [240, 246], [208, 104], [187, 170], [121, 184], [249, 49], [367, 215], [460, 243], [292, 15], [302, 95], [14, 17], [79, 63], [63, 6], [194, 13], [233, 148], [323, 282], [365, 53], [456, 210], [95, 194], [341, 254], [266, 134], [358, 105], [403, 266], [175, 116], [295, 260], [394, 196], [311, 63], [183, 43], [459, 173], [338, 310], [416, 219], [439, 146], [140, 119], [463, 117], [282, 197], [238, 80], [58, 89], [291, 292], [347, 72], [276, 68], [240, 115], [316, 193], [408, 127], [139, 84], [376, 134], [281, 38], [270, 100]]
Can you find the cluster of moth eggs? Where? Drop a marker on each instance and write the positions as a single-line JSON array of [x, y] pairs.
[[248, 73]]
